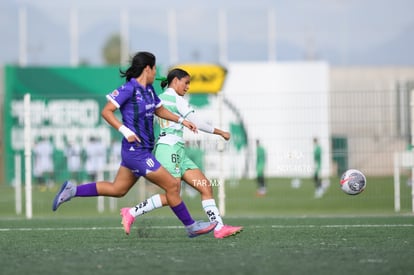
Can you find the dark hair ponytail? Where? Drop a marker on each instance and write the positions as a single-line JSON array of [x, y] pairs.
[[174, 73], [138, 63], [164, 83]]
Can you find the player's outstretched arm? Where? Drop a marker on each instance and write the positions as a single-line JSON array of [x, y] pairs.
[[223, 134], [205, 127]]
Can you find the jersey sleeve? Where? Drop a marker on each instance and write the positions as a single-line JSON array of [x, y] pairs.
[[183, 106], [200, 123], [120, 95]]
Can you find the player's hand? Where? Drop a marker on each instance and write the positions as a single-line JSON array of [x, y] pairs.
[[133, 138], [226, 135], [129, 134], [190, 126]]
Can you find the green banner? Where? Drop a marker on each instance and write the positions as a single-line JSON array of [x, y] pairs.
[[65, 105]]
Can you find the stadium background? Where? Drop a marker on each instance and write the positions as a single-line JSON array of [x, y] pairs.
[[361, 114]]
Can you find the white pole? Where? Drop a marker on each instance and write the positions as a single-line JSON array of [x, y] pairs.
[[412, 142], [172, 37], [101, 199], [28, 156], [22, 36], [74, 37], [124, 31], [222, 24], [112, 204], [397, 202], [272, 35], [223, 59], [101, 204], [18, 182], [221, 187]]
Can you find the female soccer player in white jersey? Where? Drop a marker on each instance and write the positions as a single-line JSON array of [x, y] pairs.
[[170, 151], [138, 102]]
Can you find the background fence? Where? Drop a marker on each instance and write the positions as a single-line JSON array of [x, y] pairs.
[[366, 128], [364, 111]]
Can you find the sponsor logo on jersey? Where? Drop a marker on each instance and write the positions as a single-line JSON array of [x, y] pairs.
[[149, 106]]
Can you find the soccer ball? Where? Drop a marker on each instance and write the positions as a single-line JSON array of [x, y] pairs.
[[353, 182]]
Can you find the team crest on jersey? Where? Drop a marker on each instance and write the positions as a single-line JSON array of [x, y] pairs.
[[115, 93], [150, 162]]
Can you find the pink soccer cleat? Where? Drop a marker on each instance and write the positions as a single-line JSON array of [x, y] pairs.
[[226, 231], [127, 220]]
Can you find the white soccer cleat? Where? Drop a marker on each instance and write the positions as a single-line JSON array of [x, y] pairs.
[[199, 228]]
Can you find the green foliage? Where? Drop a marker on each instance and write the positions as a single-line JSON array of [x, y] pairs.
[[112, 50]]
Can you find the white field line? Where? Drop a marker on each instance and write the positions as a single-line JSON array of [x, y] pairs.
[[181, 227], [343, 226]]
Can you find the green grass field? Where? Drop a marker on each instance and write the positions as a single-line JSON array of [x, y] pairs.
[[286, 232]]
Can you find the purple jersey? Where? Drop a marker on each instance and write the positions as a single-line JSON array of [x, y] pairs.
[[137, 105]]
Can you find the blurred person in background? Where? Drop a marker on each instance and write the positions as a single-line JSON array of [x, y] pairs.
[[73, 154], [115, 152], [138, 103], [317, 163], [95, 152], [260, 167], [170, 151], [43, 165]]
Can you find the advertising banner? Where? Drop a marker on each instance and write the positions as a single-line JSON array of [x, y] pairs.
[[65, 108]]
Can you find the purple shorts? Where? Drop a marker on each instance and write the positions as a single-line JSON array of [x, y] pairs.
[[139, 161]]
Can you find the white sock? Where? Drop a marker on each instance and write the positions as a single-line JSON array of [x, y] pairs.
[[146, 206], [212, 212]]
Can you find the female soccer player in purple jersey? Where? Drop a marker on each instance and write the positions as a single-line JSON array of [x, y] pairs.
[[138, 103]]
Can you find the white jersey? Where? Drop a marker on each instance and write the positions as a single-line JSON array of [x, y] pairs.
[[115, 151], [43, 158], [73, 157], [95, 157], [172, 132]]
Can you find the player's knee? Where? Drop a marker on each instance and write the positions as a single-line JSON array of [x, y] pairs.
[[179, 187], [174, 187]]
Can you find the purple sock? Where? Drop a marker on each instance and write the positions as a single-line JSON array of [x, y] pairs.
[[182, 213], [86, 190]]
